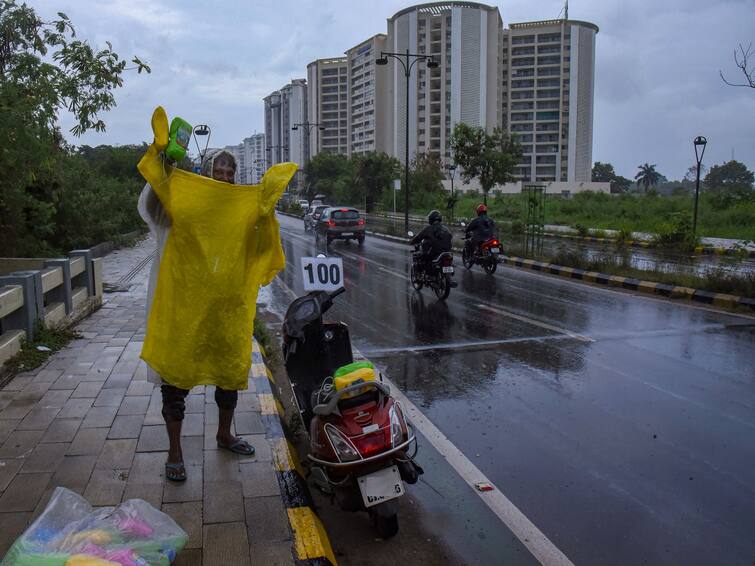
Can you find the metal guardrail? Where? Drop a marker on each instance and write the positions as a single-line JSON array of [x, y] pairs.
[[53, 295]]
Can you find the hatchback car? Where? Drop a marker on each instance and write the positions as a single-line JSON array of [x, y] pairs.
[[340, 223]]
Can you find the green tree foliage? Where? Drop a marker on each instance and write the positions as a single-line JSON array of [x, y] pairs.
[[729, 183], [604, 173], [489, 157], [44, 69], [647, 176], [359, 180]]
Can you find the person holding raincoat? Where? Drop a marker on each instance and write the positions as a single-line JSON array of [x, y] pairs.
[[217, 243]]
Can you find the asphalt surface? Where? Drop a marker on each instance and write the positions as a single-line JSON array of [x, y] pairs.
[[622, 426]]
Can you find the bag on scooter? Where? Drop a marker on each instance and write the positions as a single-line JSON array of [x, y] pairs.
[[353, 374]]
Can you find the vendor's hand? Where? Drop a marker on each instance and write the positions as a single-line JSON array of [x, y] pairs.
[[160, 128]]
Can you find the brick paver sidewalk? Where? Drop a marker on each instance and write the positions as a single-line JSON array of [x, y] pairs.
[[88, 420]]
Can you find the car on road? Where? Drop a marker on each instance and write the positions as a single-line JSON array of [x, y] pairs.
[[340, 223], [312, 215], [303, 203]]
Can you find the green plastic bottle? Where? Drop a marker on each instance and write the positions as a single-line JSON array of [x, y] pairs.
[[178, 140]]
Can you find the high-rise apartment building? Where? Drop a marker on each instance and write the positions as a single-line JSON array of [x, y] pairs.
[[368, 98], [238, 153], [548, 77], [328, 82], [464, 38], [255, 153], [285, 108]]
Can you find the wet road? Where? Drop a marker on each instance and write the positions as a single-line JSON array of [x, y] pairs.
[[622, 426]]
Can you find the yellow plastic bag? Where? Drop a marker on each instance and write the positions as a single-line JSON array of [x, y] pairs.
[[224, 243]]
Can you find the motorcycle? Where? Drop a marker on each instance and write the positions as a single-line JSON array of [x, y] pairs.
[[362, 447], [485, 255], [437, 274]]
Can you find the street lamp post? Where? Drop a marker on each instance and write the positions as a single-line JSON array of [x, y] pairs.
[[202, 130], [699, 143], [407, 61], [307, 128], [452, 168]]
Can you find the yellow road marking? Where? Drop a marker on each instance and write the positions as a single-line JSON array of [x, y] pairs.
[[310, 539]]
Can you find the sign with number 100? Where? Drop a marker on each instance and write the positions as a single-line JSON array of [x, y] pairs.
[[322, 273]]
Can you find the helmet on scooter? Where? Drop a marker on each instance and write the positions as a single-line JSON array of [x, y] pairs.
[[434, 217], [481, 209]]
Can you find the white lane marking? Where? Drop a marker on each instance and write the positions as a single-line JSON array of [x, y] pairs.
[[532, 321], [528, 534], [471, 345]]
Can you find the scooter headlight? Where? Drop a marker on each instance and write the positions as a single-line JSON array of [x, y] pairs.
[[397, 430], [344, 449]]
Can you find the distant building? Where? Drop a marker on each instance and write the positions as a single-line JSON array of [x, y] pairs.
[[368, 100], [548, 77], [238, 154], [255, 152], [283, 109], [328, 105]]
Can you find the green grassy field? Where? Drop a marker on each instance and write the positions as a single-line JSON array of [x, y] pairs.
[[631, 213]]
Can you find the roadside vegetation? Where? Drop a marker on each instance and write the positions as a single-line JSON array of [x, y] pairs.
[[53, 196], [33, 354]]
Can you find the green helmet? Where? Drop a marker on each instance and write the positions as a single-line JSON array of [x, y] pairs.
[[434, 217]]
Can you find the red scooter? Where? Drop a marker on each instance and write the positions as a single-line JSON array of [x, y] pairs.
[[362, 447]]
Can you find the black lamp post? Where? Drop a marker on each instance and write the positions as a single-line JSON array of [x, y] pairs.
[[407, 61], [452, 168], [202, 130], [699, 143]]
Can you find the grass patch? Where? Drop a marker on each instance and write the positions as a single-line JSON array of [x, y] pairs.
[[262, 335], [30, 357]]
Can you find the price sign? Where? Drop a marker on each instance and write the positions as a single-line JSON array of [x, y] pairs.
[[322, 273]]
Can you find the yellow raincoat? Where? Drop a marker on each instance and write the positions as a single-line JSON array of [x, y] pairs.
[[224, 243]]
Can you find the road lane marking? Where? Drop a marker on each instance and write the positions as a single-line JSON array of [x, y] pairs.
[[528, 534], [534, 322], [471, 345]]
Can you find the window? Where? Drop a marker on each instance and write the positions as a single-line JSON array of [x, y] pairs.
[[345, 215]]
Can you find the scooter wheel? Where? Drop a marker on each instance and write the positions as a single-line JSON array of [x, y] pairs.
[[386, 527]]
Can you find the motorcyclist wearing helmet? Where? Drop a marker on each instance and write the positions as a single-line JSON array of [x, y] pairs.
[[481, 229], [435, 238]]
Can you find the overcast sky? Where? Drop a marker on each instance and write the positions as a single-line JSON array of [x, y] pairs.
[[657, 83]]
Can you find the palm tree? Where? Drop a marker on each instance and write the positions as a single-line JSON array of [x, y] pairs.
[[647, 176]]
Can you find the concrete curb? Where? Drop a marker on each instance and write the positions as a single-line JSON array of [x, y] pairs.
[[672, 291], [311, 544]]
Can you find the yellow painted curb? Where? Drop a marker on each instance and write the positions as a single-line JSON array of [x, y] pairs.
[[258, 369], [682, 292], [591, 276], [647, 286], [310, 539], [616, 280], [566, 270], [284, 457], [725, 300], [268, 404]]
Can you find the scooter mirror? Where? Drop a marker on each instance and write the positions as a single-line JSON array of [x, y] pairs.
[[410, 234], [321, 256]]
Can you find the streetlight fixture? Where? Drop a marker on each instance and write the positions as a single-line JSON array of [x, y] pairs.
[[407, 61], [699, 143], [451, 167], [202, 130]]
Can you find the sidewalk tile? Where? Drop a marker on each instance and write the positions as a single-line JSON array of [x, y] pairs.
[[140, 388], [248, 422], [189, 517], [272, 553], [99, 417], [106, 487], [224, 544], [221, 465], [153, 439], [117, 381], [6, 427], [189, 490], [67, 381], [223, 502], [262, 452], [193, 425], [117, 454], [152, 493], [126, 426], [8, 470], [259, 479], [45, 458], [39, 418], [189, 557], [17, 409], [62, 430], [24, 492], [74, 471], [20, 443], [75, 409], [266, 519], [134, 406], [148, 468], [195, 404], [88, 442], [55, 398], [110, 397], [12, 525], [87, 389]]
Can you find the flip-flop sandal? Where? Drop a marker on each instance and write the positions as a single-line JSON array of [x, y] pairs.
[[175, 471], [239, 447]]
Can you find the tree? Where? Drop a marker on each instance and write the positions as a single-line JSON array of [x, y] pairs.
[[44, 69], [741, 60], [327, 173], [691, 174], [374, 173], [604, 173], [490, 157], [729, 183], [647, 176]]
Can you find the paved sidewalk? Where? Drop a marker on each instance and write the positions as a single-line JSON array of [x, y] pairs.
[[88, 420]]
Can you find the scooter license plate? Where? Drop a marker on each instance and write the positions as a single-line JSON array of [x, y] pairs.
[[495, 250], [448, 270], [381, 486]]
